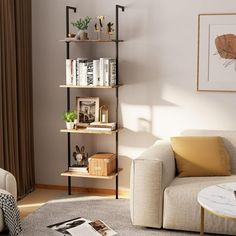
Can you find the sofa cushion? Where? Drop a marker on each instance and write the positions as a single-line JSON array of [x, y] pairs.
[[228, 136], [182, 211], [200, 156]]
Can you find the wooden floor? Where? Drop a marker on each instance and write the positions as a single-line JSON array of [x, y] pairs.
[[40, 196]]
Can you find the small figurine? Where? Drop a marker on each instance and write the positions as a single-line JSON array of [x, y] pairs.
[[98, 27], [80, 156], [110, 30]]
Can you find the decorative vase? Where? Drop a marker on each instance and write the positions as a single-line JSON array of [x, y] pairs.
[[70, 125], [82, 35]]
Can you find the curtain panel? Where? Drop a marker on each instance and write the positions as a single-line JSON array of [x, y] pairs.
[[16, 100]]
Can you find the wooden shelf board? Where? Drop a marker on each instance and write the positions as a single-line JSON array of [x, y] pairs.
[[90, 86], [73, 40], [86, 131], [87, 175]]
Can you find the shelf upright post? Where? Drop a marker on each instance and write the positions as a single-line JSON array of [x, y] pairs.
[[68, 8], [117, 93]]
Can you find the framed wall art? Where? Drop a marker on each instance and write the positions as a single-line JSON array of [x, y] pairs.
[[216, 63], [87, 110]]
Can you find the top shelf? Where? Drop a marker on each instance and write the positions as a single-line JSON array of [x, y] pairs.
[[73, 40]]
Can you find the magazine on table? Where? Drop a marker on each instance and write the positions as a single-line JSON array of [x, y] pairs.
[[83, 227]]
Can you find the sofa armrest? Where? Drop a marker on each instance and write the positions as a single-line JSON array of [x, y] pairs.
[[151, 173], [8, 182]]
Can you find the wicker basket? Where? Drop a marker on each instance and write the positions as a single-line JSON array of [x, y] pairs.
[[102, 164]]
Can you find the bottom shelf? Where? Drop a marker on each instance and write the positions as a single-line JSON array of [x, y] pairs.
[[87, 175]]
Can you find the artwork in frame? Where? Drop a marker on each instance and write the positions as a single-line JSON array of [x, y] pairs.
[[87, 110], [216, 69]]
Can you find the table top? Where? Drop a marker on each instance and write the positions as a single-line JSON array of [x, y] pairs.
[[219, 199]]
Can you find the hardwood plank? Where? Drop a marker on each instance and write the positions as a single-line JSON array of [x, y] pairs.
[[89, 86], [87, 175], [86, 131], [73, 40]]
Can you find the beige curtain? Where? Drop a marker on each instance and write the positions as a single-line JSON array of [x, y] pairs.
[[16, 112]]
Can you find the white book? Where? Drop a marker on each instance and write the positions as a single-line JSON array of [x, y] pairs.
[[100, 128], [68, 72], [89, 72], [106, 62], [101, 77], [74, 77], [112, 72], [82, 73], [79, 70], [96, 69], [78, 169], [85, 73]]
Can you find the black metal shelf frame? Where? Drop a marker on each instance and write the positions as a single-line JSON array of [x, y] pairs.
[[117, 41]]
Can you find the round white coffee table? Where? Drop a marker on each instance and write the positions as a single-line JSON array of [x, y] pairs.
[[218, 199]]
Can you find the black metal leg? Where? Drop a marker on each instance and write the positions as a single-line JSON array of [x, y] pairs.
[[69, 185]]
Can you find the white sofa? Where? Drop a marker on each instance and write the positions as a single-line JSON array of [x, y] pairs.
[[160, 199], [7, 183]]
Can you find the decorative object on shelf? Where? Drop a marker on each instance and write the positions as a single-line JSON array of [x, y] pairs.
[[103, 114], [82, 26], [216, 68], [102, 164], [71, 35], [80, 156], [87, 110], [98, 27], [97, 30], [102, 126], [70, 117], [110, 29]]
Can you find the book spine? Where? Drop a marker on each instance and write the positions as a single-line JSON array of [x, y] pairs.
[[100, 129], [68, 72], [77, 72], [90, 72], [101, 66], [83, 72], [106, 72], [96, 68], [74, 72], [112, 72]]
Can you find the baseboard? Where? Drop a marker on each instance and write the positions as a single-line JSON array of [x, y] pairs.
[[123, 193]]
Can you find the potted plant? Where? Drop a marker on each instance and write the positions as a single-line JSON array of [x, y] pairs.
[[70, 117], [82, 26]]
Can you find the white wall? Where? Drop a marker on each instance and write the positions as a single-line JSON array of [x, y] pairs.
[[158, 68]]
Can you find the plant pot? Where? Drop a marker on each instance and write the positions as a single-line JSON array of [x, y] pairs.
[[82, 35], [70, 125]]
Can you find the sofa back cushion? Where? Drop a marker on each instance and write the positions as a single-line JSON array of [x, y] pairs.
[[200, 156], [229, 138]]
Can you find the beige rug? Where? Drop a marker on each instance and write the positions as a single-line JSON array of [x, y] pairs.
[[113, 212]]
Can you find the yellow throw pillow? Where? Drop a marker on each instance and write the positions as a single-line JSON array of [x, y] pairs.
[[200, 156]]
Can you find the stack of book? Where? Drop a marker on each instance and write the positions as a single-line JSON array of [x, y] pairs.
[[78, 169], [102, 126], [84, 72]]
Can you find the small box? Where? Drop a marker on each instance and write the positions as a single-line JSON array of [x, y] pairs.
[[102, 164]]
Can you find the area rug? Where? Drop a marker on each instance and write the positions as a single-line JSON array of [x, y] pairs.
[[113, 212]]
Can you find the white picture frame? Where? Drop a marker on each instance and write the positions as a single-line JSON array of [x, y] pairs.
[[214, 71]]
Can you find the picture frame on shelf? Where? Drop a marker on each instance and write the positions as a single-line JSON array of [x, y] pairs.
[[87, 110], [216, 64]]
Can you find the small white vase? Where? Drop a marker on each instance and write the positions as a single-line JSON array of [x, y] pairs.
[[70, 125]]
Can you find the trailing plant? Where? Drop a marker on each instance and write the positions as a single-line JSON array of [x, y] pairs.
[[82, 24], [69, 116]]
